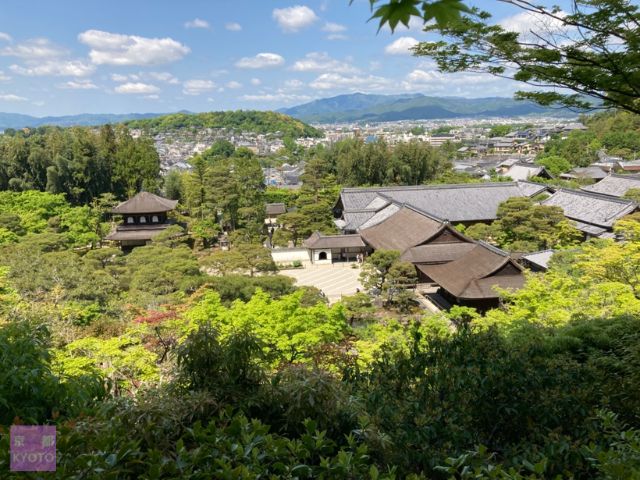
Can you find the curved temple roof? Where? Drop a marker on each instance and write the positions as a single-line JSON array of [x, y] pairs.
[[145, 202], [476, 274]]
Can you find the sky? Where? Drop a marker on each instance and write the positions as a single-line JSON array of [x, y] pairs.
[[88, 56]]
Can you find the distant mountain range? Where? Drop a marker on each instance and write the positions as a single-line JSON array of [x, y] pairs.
[[386, 108], [343, 108], [17, 120]]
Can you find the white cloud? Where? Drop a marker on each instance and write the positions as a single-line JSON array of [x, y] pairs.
[[197, 23], [428, 80], [10, 97], [5, 37], [41, 58], [118, 49], [38, 103], [255, 81], [322, 62], [535, 28], [197, 87], [136, 88], [276, 97], [292, 19], [151, 97], [3, 77], [79, 85], [331, 81], [261, 60], [334, 27], [527, 22], [34, 49], [336, 36], [421, 76], [294, 84], [59, 68], [233, 27], [401, 46], [164, 77], [234, 84]]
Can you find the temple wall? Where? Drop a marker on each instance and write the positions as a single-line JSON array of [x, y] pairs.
[[289, 255]]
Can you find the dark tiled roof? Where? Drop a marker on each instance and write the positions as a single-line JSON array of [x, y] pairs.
[[595, 173], [614, 185], [380, 216], [137, 232], [318, 240], [456, 203], [475, 275], [275, 208], [145, 202], [541, 258], [592, 208], [355, 218]]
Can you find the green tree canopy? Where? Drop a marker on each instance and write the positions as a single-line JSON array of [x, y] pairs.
[[522, 225]]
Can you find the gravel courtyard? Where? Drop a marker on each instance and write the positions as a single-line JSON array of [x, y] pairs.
[[334, 280]]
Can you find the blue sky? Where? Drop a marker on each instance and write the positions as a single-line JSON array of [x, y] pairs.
[[68, 57]]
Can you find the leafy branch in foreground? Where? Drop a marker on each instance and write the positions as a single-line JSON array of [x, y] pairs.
[[584, 58], [442, 12]]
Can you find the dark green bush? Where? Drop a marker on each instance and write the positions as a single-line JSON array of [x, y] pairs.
[[29, 390]]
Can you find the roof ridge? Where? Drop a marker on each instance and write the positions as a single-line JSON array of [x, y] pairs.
[[386, 197], [434, 186], [426, 214], [493, 248], [587, 193], [320, 234], [632, 176], [532, 183], [529, 165], [362, 210], [539, 251]]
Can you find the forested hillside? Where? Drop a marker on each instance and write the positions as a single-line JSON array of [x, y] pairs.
[[239, 120], [618, 133]]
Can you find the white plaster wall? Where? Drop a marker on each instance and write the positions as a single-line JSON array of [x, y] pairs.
[[289, 255]]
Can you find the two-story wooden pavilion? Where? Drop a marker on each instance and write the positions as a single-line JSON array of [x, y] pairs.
[[143, 217]]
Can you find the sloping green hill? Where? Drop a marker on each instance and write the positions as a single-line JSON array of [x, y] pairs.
[[378, 108], [240, 120]]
